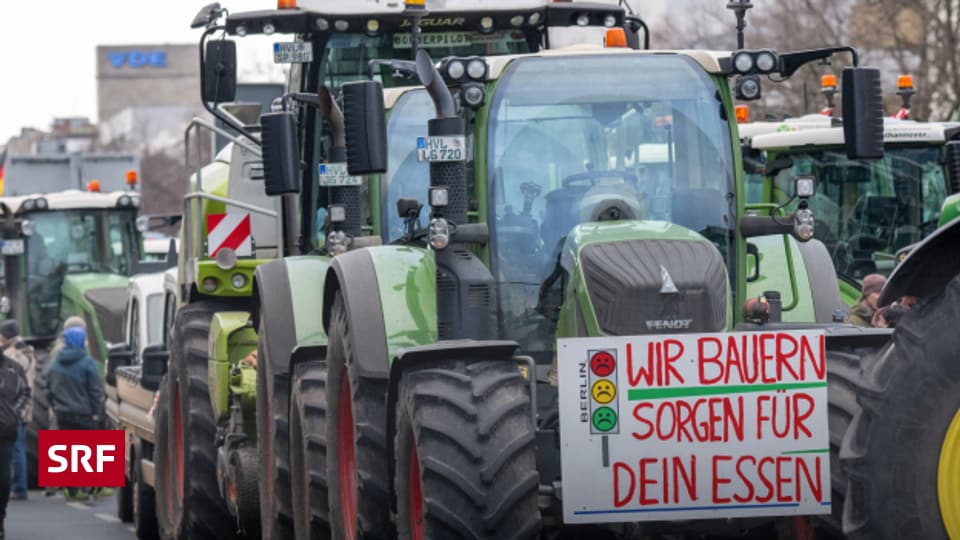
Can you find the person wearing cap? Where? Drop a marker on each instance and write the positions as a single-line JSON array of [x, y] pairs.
[[861, 314], [75, 390], [18, 350]]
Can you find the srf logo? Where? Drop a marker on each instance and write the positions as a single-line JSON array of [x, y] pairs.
[[92, 458]]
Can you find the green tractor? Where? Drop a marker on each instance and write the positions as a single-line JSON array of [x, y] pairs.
[[867, 210], [64, 254], [423, 375], [224, 417]]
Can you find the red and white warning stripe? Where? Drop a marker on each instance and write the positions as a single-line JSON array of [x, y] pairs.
[[229, 231]]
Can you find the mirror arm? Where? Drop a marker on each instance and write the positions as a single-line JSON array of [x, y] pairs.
[[210, 108], [791, 62], [638, 23]]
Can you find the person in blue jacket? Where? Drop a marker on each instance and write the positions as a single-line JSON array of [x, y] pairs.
[[75, 389]]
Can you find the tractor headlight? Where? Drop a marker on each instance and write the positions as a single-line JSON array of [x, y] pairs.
[[29, 204], [337, 213], [748, 87], [439, 197], [439, 233], [583, 19], [42, 204], [743, 62], [455, 70], [803, 224], [473, 94], [143, 224], [341, 25], [805, 186], [766, 61], [225, 258], [322, 24], [241, 30], [210, 284], [27, 227], [486, 24], [516, 20], [336, 243], [610, 20], [477, 69], [135, 201], [269, 28], [373, 26], [238, 281], [534, 18], [124, 200]]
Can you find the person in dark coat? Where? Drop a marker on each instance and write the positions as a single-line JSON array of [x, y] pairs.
[[75, 389], [14, 400], [22, 353]]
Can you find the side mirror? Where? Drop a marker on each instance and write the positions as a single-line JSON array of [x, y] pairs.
[[953, 164], [753, 251], [153, 366], [366, 128], [117, 356], [219, 83], [281, 165], [862, 113]]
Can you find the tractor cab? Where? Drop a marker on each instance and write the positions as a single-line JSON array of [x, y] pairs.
[[867, 210]]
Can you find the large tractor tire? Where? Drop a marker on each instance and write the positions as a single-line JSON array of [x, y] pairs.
[[164, 457], [276, 514], [204, 513], [308, 451], [144, 503], [356, 435], [41, 412], [465, 454], [902, 452]]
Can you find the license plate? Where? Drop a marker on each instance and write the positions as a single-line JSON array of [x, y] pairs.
[[335, 174], [442, 148], [12, 247], [296, 52], [434, 39]]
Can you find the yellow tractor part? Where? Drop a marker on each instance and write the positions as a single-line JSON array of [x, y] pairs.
[[948, 479]]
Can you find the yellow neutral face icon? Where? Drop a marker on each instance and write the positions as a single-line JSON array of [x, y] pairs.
[[603, 391]]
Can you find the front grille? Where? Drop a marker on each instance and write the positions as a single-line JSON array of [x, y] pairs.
[[625, 279]]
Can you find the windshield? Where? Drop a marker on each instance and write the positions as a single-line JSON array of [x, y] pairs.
[[347, 55], [867, 210], [73, 242], [569, 135]]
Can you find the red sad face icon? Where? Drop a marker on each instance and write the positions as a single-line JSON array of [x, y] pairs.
[[602, 364]]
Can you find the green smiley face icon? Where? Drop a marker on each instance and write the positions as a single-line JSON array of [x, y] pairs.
[[604, 419]]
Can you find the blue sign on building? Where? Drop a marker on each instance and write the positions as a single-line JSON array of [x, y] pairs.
[[138, 59]]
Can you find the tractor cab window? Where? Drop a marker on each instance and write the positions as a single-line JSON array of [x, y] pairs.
[[867, 210], [70, 242], [406, 176], [575, 141], [347, 55], [154, 319]]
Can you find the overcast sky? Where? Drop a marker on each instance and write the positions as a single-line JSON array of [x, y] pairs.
[[47, 50]]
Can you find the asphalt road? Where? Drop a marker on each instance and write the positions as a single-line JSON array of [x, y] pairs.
[[42, 517]]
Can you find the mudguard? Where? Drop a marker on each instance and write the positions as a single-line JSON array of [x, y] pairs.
[[390, 293], [928, 268], [423, 355], [288, 296], [230, 340], [775, 275]]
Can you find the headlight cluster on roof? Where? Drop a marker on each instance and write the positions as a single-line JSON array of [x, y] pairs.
[[31, 205], [128, 201]]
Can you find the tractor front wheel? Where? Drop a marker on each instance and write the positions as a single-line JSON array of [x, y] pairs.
[[902, 452], [356, 435], [308, 451], [465, 455]]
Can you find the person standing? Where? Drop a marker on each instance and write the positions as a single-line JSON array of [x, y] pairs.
[[861, 314], [14, 400], [22, 353], [74, 389]]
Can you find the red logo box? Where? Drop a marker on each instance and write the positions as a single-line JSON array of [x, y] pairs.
[[91, 458]]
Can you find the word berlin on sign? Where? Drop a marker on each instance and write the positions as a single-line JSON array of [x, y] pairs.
[[694, 426], [138, 59]]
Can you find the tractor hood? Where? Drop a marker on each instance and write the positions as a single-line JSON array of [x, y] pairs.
[[101, 300], [644, 277]]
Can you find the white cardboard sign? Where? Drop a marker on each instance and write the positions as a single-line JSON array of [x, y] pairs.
[[693, 426]]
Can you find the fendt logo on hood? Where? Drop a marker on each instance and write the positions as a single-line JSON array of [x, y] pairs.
[[669, 324], [440, 21]]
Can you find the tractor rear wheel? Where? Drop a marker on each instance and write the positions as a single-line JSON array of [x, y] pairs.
[[902, 452], [276, 517], [308, 451], [204, 513], [356, 435], [465, 454], [41, 412]]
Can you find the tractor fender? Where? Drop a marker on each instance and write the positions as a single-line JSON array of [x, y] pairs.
[[288, 294], [390, 294], [424, 355], [220, 356], [928, 268]]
